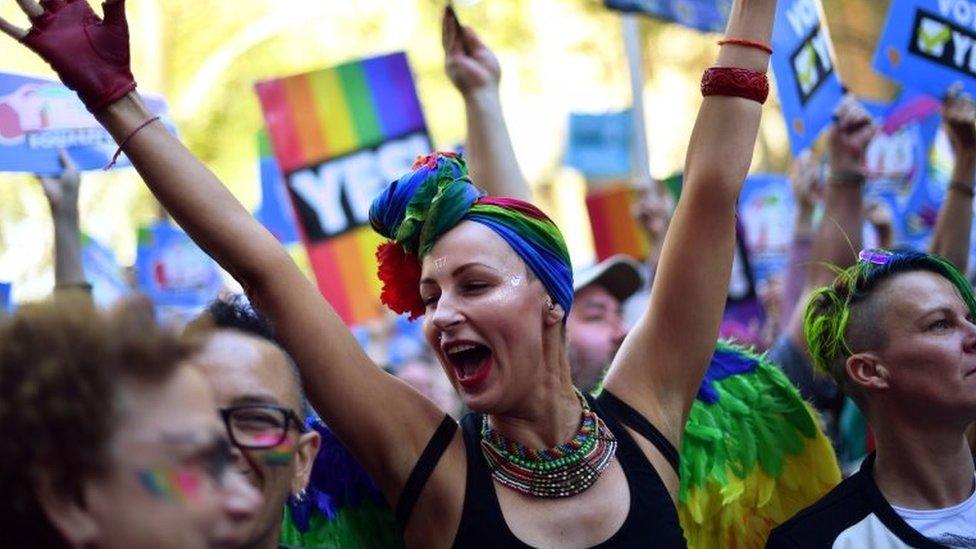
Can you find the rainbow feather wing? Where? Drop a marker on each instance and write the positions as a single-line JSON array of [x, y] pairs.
[[752, 454], [343, 508]]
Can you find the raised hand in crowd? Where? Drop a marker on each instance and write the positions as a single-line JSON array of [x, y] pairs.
[[878, 214], [953, 227], [807, 186], [652, 210], [838, 236], [806, 183], [62, 197], [836, 241], [474, 70]]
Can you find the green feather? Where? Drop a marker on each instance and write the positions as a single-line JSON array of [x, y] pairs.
[[367, 525]]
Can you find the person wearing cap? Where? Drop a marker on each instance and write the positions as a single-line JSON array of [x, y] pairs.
[[595, 327]]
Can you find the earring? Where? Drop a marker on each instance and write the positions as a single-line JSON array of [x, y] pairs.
[[550, 304], [299, 498]]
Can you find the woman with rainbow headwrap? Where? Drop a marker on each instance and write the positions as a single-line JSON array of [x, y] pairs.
[[896, 332], [542, 464]]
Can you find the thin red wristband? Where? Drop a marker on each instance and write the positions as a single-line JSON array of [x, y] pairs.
[[735, 82], [118, 151], [746, 44]]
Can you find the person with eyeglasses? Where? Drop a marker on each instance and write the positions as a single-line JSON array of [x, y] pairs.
[[259, 398], [110, 437]]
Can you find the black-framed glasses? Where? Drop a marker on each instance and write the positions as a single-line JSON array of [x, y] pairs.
[[260, 426]]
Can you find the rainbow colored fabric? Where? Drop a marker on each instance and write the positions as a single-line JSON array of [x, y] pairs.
[[417, 209], [319, 118], [332, 112]]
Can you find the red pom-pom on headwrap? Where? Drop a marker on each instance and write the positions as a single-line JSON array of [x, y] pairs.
[[400, 274], [429, 161]]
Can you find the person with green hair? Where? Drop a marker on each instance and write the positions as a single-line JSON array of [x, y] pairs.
[[896, 332]]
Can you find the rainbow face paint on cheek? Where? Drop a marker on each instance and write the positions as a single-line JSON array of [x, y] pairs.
[[178, 486], [280, 454]]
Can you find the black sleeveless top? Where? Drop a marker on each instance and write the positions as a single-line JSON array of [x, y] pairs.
[[652, 520]]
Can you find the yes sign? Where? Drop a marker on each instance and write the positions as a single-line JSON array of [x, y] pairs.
[[929, 45], [804, 67]]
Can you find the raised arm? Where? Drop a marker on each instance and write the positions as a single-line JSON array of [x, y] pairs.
[[805, 182], [837, 239], [475, 72], [91, 57], [661, 364], [954, 225], [62, 197], [652, 211]]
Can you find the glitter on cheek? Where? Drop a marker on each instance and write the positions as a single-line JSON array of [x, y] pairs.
[[514, 280]]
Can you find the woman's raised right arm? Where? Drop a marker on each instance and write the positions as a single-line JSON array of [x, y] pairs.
[[363, 405]]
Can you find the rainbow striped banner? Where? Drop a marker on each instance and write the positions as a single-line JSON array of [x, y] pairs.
[[614, 229], [340, 135]]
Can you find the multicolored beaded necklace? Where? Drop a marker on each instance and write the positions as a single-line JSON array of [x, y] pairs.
[[559, 472]]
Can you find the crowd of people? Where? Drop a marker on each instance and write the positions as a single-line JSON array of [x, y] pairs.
[[563, 418]]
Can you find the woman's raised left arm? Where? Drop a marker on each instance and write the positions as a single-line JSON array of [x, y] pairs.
[[661, 363]]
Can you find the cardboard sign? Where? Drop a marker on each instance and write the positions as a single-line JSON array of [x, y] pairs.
[[615, 231], [600, 145], [897, 161], [703, 15], [172, 270], [340, 135], [928, 45], [806, 76], [39, 117], [6, 304], [275, 211], [102, 271], [766, 213]]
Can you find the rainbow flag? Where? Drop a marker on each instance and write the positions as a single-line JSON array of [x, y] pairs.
[[340, 135], [614, 229]]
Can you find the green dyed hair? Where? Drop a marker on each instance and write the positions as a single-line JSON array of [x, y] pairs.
[[826, 321]]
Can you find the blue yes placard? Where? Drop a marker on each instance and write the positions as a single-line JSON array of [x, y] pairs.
[[929, 45], [600, 144], [703, 15], [38, 117], [172, 270], [806, 75]]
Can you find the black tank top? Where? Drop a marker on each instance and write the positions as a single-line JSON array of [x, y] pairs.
[[652, 520]]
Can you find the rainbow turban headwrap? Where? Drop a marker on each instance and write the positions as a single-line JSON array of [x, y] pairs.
[[417, 209]]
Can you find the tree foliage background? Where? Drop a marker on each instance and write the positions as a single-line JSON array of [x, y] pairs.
[[557, 56]]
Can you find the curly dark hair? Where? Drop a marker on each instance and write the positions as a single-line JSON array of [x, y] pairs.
[[62, 364], [235, 311]]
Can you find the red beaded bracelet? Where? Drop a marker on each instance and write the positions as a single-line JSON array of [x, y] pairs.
[[746, 44], [735, 82]]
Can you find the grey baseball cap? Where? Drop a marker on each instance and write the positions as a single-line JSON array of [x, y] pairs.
[[619, 274]]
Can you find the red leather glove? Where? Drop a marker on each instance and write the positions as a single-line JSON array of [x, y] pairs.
[[90, 55]]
